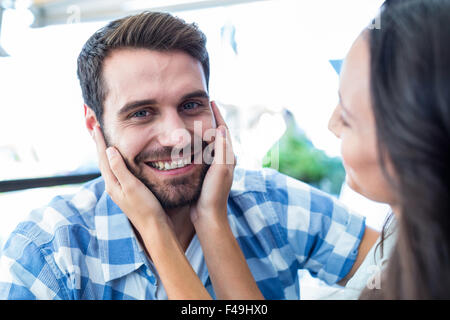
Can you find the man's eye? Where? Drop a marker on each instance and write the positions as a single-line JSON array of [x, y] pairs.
[[140, 114], [191, 105]]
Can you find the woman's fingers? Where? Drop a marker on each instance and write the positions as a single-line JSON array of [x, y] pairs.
[[223, 150], [111, 182], [112, 166], [135, 198], [126, 179], [219, 119], [220, 146]]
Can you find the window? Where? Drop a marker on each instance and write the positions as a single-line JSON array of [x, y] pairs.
[[265, 56]]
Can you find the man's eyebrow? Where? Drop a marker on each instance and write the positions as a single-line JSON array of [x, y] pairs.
[[135, 104], [195, 94]]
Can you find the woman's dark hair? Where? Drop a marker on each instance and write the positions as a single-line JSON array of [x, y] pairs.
[[147, 30], [410, 87]]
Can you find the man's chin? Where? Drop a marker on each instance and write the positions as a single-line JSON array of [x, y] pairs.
[[177, 197], [177, 192]]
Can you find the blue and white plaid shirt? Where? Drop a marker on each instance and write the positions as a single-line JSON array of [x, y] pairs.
[[83, 246]]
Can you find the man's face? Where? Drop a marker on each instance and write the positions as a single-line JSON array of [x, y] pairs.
[[153, 103]]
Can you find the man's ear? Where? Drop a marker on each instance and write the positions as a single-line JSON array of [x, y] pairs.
[[90, 119]]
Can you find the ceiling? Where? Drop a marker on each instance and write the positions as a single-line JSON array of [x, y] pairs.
[[48, 12], [51, 12]]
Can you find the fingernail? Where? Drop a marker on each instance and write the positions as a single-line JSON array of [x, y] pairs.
[[223, 131], [94, 130], [110, 153]]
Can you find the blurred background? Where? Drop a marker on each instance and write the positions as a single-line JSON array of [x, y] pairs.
[[274, 73]]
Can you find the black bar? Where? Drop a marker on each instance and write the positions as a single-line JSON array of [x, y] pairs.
[[22, 184]]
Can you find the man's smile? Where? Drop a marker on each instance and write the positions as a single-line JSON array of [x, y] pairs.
[[164, 165], [175, 166], [174, 171]]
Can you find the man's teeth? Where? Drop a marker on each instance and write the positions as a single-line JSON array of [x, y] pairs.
[[162, 165]]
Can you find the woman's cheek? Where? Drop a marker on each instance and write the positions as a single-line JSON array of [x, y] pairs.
[[363, 171], [351, 161]]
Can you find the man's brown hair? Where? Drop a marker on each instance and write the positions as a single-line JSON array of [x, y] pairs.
[[148, 30]]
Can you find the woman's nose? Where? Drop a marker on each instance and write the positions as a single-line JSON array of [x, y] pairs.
[[334, 125]]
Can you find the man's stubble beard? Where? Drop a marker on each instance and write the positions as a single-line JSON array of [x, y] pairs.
[[187, 189], [181, 191]]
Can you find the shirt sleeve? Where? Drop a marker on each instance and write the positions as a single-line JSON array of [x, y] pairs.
[[323, 234], [24, 272]]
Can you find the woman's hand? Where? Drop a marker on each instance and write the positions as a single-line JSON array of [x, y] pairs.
[[128, 192], [227, 267], [212, 203]]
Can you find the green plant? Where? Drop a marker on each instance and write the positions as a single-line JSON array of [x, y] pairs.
[[298, 158]]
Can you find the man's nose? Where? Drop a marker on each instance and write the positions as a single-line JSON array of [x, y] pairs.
[[173, 132]]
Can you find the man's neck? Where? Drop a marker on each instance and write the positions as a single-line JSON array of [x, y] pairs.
[[182, 225]]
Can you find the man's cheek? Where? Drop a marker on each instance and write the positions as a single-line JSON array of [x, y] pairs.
[[128, 154], [107, 136], [200, 124]]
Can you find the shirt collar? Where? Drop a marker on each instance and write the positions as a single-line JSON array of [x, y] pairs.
[[120, 252]]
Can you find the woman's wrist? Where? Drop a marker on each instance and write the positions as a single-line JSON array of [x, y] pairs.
[[213, 230], [210, 218], [152, 223]]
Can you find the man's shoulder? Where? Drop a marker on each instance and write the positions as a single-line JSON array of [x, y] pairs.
[[63, 212], [273, 184], [266, 197], [278, 193]]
